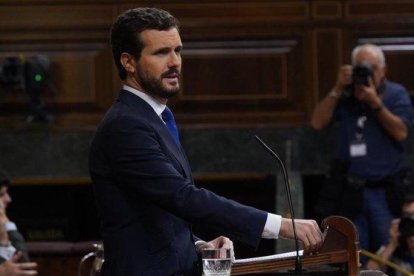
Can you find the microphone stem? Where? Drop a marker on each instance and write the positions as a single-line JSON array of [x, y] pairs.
[[298, 263]]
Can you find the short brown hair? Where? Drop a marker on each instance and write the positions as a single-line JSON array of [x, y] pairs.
[[4, 179]]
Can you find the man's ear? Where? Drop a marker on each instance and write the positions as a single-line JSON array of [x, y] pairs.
[[128, 62]]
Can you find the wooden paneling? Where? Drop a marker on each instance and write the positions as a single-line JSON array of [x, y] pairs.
[[234, 12], [329, 44], [78, 73], [57, 265], [65, 17], [53, 22], [326, 10], [246, 63], [378, 8], [251, 76]]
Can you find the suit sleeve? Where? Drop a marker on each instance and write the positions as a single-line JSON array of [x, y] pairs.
[[144, 168]]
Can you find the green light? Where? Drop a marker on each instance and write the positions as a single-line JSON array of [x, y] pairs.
[[38, 77]]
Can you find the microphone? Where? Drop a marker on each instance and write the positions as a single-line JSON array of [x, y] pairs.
[[298, 263]]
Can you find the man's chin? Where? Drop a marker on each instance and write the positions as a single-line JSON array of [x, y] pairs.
[[162, 90], [171, 90], [171, 93], [166, 93]]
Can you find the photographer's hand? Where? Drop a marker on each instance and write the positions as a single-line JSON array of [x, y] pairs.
[[368, 94], [322, 114], [394, 233], [343, 79], [392, 124]]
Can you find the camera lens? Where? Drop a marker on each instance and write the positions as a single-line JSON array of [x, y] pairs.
[[361, 73]]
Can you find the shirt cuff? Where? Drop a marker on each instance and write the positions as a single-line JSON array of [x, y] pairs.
[[6, 252], [198, 242], [10, 226], [272, 226]]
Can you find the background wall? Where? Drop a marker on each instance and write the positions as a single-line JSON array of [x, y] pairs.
[[250, 68]]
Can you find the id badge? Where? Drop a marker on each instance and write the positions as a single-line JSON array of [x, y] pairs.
[[358, 149]]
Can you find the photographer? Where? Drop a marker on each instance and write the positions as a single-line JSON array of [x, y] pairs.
[[372, 116]]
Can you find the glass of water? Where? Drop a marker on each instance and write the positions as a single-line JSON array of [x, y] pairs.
[[216, 262]]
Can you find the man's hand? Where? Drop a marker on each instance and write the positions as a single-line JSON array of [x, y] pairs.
[[394, 232], [4, 237], [3, 216], [323, 112], [343, 79], [12, 268], [368, 94], [220, 242], [307, 232]]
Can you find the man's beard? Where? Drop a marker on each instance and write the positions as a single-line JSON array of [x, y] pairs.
[[155, 87]]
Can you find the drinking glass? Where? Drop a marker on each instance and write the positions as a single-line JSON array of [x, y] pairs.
[[216, 262]]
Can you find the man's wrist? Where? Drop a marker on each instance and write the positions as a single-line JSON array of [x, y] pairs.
[[5, 243], [333, 94], [200, 245], [393, 242], [378, 108]]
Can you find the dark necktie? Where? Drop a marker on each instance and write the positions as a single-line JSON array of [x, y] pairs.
[[168, 118]]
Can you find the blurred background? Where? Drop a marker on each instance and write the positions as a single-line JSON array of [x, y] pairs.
[[249, 68]]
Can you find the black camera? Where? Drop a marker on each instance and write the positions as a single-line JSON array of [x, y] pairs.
[[29, 73], [32, 75], [361, 74]]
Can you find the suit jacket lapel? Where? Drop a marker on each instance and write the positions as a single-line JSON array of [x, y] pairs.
[[145, 110], [177, 150]]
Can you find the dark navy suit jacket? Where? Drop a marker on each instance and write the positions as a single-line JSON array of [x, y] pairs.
[[147, 200]]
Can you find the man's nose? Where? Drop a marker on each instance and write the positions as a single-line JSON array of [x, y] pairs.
[[175, 60], [7, 198]]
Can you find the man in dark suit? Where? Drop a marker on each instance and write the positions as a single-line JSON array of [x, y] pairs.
[[141, 177]]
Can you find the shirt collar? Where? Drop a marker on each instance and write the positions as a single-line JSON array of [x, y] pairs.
[[157, 106]]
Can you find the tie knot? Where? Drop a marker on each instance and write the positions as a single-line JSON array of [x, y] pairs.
[[167, 115]]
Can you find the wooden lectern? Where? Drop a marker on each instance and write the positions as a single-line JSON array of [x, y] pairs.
[[339, 254]]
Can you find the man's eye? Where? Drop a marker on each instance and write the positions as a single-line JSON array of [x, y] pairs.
[[162, 52]]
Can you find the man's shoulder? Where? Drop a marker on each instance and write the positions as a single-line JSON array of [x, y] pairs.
[[127, 108], [392, 86], [398, 101]]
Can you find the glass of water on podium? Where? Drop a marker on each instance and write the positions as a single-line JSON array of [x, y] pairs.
[[216, 262]]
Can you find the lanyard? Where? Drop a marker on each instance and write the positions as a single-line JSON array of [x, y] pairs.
[[360, 127]]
